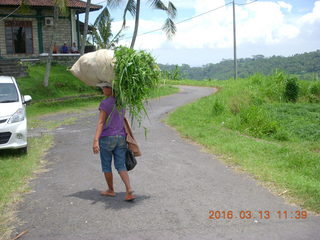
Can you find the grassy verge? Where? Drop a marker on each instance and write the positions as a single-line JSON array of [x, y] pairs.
[[275, 141], [15, 171]]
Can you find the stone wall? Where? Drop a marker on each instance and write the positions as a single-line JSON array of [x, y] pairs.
[[62, 59]]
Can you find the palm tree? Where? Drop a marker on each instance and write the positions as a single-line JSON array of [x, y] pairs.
[[134, 9], [58, 5], [102, 30]]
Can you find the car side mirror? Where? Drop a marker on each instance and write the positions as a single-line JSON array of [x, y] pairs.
[[27, 99]]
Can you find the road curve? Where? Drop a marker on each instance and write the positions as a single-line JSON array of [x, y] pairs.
[[176, 185]]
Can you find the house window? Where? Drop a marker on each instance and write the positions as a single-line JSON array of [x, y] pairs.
[[19, 37]]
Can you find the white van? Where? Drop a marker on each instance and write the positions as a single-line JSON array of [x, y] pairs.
[[13, 121]]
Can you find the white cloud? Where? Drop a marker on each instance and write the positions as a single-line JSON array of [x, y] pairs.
[[260, 22], [263, 23], [313, 16], [285, 5]]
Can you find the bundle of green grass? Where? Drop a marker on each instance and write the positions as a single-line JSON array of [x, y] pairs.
[[136, 77]]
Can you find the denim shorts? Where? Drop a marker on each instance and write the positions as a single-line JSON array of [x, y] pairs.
[[115, 146]]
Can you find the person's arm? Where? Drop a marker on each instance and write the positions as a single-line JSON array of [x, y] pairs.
[[101, 122]]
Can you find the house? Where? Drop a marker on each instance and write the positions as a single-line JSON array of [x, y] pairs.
[[26, 30]]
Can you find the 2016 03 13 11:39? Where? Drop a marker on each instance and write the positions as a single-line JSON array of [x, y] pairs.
[[257, 214]]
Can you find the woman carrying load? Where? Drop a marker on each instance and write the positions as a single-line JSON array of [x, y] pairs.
[[110, 140]]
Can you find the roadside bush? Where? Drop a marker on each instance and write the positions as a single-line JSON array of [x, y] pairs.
[[273, 87], [256, 120], [257, 78], [314, 93], [217, 107], [315, 89], [281, 135], [256, 99], [291, 90], [237, 103]]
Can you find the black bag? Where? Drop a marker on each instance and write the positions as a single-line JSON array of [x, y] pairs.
[[131, 161]]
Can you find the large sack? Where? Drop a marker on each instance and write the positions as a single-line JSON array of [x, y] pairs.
[[95, 67]]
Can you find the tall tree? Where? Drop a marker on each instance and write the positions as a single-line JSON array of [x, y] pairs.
[[102, 30], [133, 7], [59, 5]]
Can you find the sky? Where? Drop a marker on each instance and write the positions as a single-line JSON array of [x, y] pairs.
[[266, 27]]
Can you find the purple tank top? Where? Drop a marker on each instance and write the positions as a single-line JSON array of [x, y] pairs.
[[116, 119]]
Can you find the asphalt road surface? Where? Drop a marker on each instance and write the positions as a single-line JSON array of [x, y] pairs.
[[176, 184]]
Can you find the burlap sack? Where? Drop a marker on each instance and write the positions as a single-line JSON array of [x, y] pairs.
[[95, 67]]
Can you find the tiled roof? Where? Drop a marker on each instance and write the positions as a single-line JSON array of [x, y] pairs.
[[49, 3]]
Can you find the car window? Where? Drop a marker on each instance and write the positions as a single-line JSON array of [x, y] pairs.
[[8, 93]]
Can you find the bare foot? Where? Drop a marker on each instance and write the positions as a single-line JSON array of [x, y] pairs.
[[129, 196], [108, 193]]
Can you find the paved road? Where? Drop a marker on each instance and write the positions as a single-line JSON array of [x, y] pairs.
[[175, 182]]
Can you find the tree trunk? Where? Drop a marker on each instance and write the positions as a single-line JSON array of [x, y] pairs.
[[49, 59], [136, 25], [85, 30]]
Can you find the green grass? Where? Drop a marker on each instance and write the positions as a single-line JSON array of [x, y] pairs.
[[15, 171], [249, 124], [164, 90]]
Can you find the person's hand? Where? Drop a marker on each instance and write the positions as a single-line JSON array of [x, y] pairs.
[[95, 147]]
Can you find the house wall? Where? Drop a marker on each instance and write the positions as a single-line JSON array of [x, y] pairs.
[[61, 34]]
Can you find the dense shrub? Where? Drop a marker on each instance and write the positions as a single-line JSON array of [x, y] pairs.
[[291, 90], [217, 107], [257, 121], [314, 93], [237, 103], [272, 87]]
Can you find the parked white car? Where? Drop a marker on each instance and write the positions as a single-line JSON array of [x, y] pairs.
[[13, 120]]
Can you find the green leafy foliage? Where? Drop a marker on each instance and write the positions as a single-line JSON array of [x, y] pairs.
[[174, 74], [137, 76], [291, 90], [256, 121], [217, 107], [314, 93]]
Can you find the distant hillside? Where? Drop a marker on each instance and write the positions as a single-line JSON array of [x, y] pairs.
[[306, 66]]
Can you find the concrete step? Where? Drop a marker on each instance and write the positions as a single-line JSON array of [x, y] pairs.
[[12, 67]]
